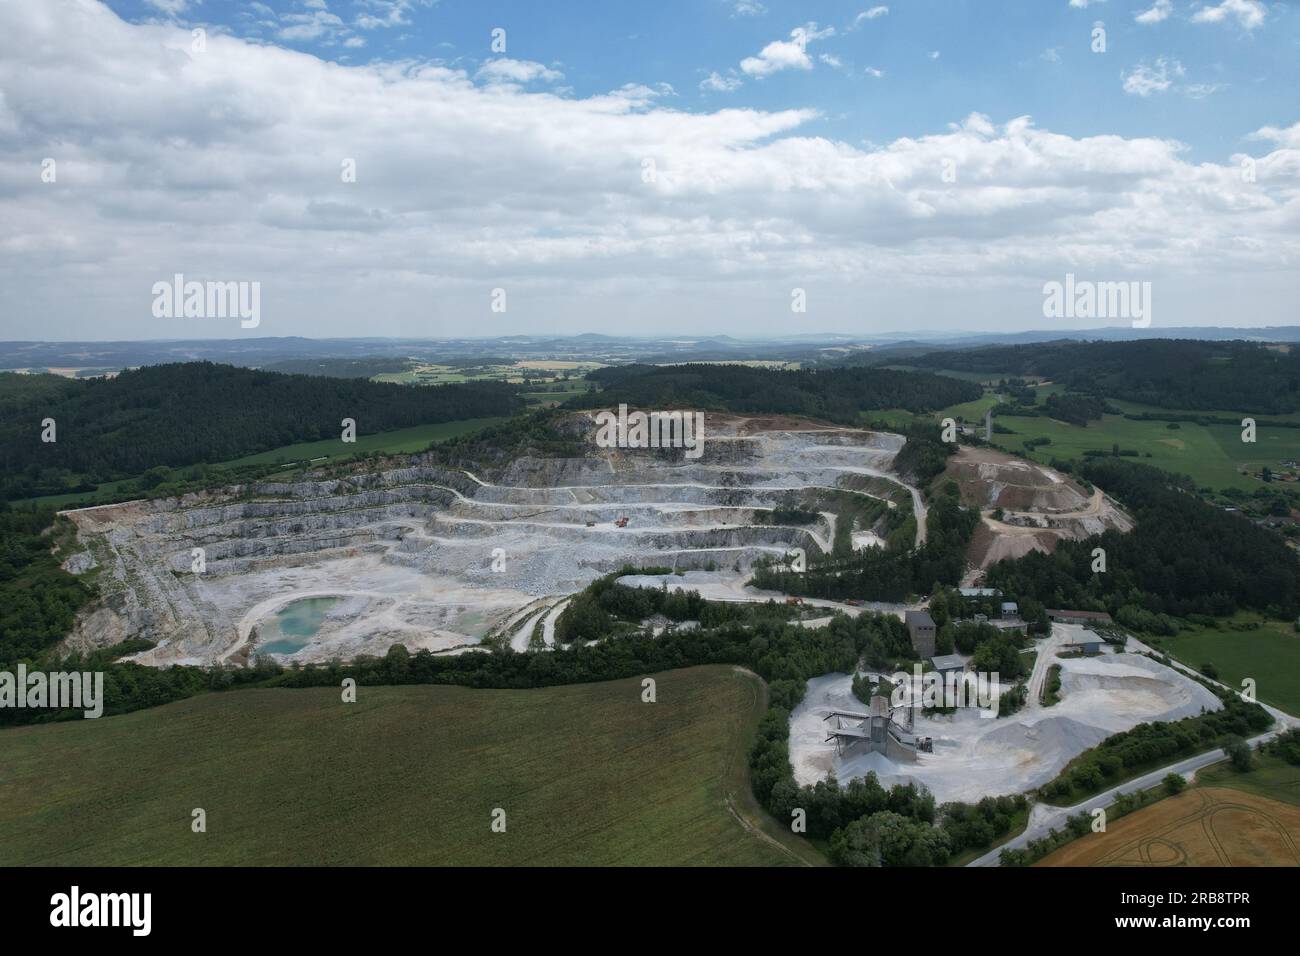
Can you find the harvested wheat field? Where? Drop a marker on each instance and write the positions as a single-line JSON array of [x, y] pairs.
[[1208, 826]]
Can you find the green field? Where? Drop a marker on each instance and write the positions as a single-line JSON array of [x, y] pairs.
[[400, 441], [1271, 777], [1213, 455], [1270, 655], [587, 774]]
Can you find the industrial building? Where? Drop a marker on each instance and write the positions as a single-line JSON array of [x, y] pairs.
[[920, 627], [876, 732]]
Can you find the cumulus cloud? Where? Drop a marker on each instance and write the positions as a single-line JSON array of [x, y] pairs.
[[1288, 138], [1160, 11], [505, 70], [717, 83], [785, 54], [218, 165], [1249, 14], [309, 26], [169, 7], [380, 14], [1158, 77]]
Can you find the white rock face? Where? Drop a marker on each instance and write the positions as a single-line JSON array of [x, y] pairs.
[[440, 559]]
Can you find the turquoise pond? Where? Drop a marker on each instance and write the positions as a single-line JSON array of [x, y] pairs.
[[294, 625]]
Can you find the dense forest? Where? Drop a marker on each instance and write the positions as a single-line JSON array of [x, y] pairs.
[[1170, 373], [38, 599], [198, 412], [1184, 557], [340, 367], [889, 574], [836, 395]]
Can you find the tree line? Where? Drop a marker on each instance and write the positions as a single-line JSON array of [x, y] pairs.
[[1170, 373], [199, 412], [1184, 557], [836, 394]]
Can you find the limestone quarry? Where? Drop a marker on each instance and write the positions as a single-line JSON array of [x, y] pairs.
[[1040, 506], [444, 560], [411, 551]]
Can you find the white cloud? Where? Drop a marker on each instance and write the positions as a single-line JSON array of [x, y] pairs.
[[717, 83], [169, 7], [865, 15], [1287, 138], [1162, 76], [934, 54], [380, 14], [1248, 13], [875, 73], [748, 8], [505, 70], [1051, 54], [1160, 11], [1156, 78], [785, 54], [1083, 4], [218, 165], [309, 26]]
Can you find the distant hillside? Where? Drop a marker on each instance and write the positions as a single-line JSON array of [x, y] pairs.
[[198, 412], [340, 367], [836, 395], [1237, 376]]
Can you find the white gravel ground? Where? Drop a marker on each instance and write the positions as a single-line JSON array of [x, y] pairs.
[[975, 756]]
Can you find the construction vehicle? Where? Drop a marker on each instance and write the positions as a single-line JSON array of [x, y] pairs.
[[621, 522]]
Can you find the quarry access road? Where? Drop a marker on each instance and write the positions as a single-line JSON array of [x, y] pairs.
[[1044, 817], [1042, 664]]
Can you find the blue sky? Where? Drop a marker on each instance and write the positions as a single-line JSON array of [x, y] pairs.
[[1004, 58], [660, 168]]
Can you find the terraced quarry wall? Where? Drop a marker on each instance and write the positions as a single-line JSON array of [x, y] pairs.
[[442, 559], [1040, 506]]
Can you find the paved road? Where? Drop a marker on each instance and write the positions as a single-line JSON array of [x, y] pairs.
[[1044, 817]]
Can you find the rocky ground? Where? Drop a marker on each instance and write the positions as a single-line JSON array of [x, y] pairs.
[[976, 756], [1040, 506], [442, 559]]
